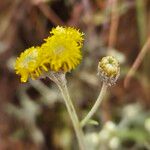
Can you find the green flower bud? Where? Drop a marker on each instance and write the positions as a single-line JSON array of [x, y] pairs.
[[109, 70]]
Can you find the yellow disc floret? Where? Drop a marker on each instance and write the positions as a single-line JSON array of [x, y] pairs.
[[62, 50], [28, 64]]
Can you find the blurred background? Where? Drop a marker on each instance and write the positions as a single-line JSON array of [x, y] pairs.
[[32, 114]]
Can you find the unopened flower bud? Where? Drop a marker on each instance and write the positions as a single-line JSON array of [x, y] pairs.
[[109, 70]]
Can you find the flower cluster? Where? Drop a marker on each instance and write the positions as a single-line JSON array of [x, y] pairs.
[[61, 51]]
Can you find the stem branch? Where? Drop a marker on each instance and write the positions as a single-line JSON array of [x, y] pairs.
[[96, 105], [60, 80]]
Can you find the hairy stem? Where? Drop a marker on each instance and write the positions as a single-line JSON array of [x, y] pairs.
[[96, 105], [60, 80]]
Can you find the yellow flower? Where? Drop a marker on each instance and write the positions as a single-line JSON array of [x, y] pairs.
[[62, 50], [29, 64]]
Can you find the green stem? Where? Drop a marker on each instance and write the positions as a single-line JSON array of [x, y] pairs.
[[141, 20], [60, 80], [96, 105], [73, 116]]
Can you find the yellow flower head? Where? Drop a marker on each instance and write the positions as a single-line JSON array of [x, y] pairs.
[[62, 50], [28, 64]]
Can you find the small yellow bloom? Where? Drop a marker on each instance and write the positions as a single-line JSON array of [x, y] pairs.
[[28, 64], [62, 50]]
